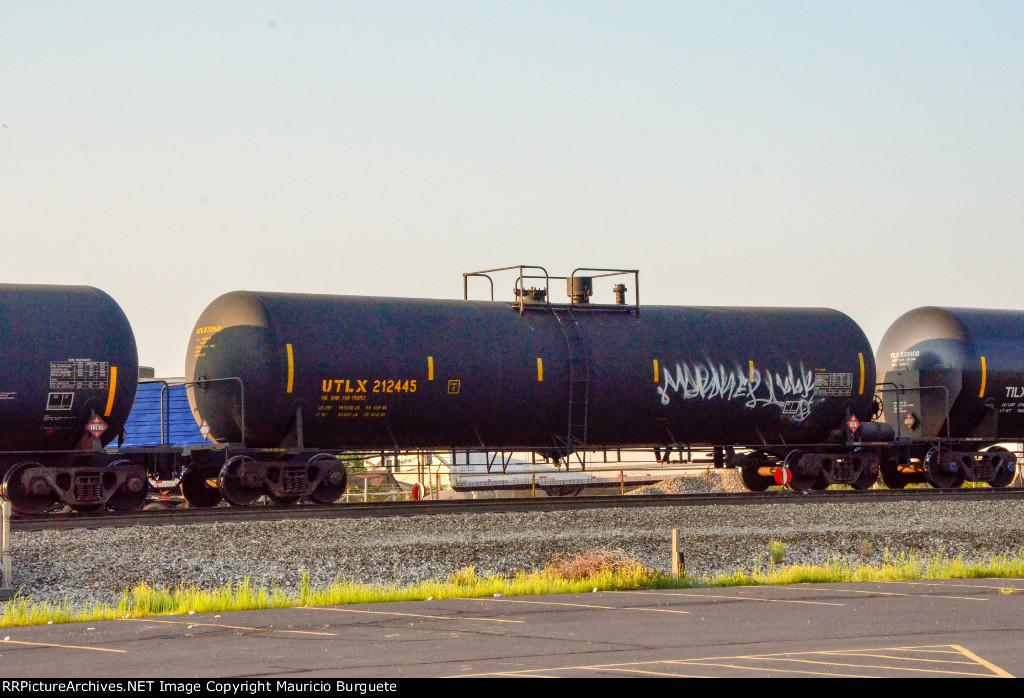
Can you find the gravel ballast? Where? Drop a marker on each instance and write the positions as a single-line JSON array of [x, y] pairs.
[[85, 566]]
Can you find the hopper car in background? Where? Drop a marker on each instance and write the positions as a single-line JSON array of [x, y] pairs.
[[284, 387]]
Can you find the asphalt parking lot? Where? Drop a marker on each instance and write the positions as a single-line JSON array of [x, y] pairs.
[[961, 628]]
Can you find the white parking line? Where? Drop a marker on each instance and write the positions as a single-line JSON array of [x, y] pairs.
[[68, 647], [582, 605], [733, 598], [877, 592], [407, 615]]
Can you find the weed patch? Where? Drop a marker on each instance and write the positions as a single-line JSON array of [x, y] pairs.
[[586, 565]]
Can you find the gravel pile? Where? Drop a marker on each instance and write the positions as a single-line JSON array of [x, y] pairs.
[[701, 482], [96, 565]]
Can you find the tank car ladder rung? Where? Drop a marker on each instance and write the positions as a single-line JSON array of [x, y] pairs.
[[579, 385]]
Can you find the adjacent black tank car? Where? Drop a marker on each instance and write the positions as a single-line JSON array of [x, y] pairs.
[[67, 383], [951, 383]]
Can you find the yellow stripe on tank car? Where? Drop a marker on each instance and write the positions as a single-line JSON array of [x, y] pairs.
[[751, 370], [113, 390], [984, 377], [860, 355], [540, 370], [430, 368], [291, 367], [657, 372]]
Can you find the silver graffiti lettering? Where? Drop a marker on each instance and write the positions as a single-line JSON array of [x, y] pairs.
[[792, 390]]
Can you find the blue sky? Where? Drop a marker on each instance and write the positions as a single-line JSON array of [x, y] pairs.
[[865, 156]]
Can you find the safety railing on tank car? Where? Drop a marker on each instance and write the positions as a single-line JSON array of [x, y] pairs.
[[163, 405], [520, 285], [201, 383], [899, 390], [615, 272], [521, 292]]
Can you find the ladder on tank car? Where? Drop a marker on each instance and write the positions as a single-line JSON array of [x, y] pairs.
[[575, 441]]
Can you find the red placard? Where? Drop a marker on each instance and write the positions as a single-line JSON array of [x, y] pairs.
[[96, 427]]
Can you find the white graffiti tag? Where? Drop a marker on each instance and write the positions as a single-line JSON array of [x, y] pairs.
[[791, 391]]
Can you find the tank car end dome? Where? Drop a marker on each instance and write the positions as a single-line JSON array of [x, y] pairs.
[[232, 359]]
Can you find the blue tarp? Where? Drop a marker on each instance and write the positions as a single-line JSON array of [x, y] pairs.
[[143, 425]]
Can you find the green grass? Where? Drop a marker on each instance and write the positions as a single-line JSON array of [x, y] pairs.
[[609, 572], [900, 568], [143, 601]]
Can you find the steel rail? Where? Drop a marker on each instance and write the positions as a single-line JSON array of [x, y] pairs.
[[221, 514]]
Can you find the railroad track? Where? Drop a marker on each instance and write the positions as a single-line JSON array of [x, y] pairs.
[[185, 516]]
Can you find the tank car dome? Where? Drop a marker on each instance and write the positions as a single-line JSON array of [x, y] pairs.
[[974, 355], [927, 337], [949, 338], [234, 346]]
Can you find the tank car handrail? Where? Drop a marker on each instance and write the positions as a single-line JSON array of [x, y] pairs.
[[163, 389], [616, 272], [519, 283], [514, 266], [899, 390], [465, 284], [241, 388], [520, 286]]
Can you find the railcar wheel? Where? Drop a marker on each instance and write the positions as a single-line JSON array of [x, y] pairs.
[[1006, 474], [893, 478], [238, 484], [87, 508], [945, 481], [326, 493], [36, 498], [866, 480], [333, 484], [198, 492], [284, 500], [130, 496], [754, 481], [562, 490], [802, 481], [942, 476]]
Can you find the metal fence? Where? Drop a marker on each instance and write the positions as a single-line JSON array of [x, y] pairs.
[[382, 486]]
